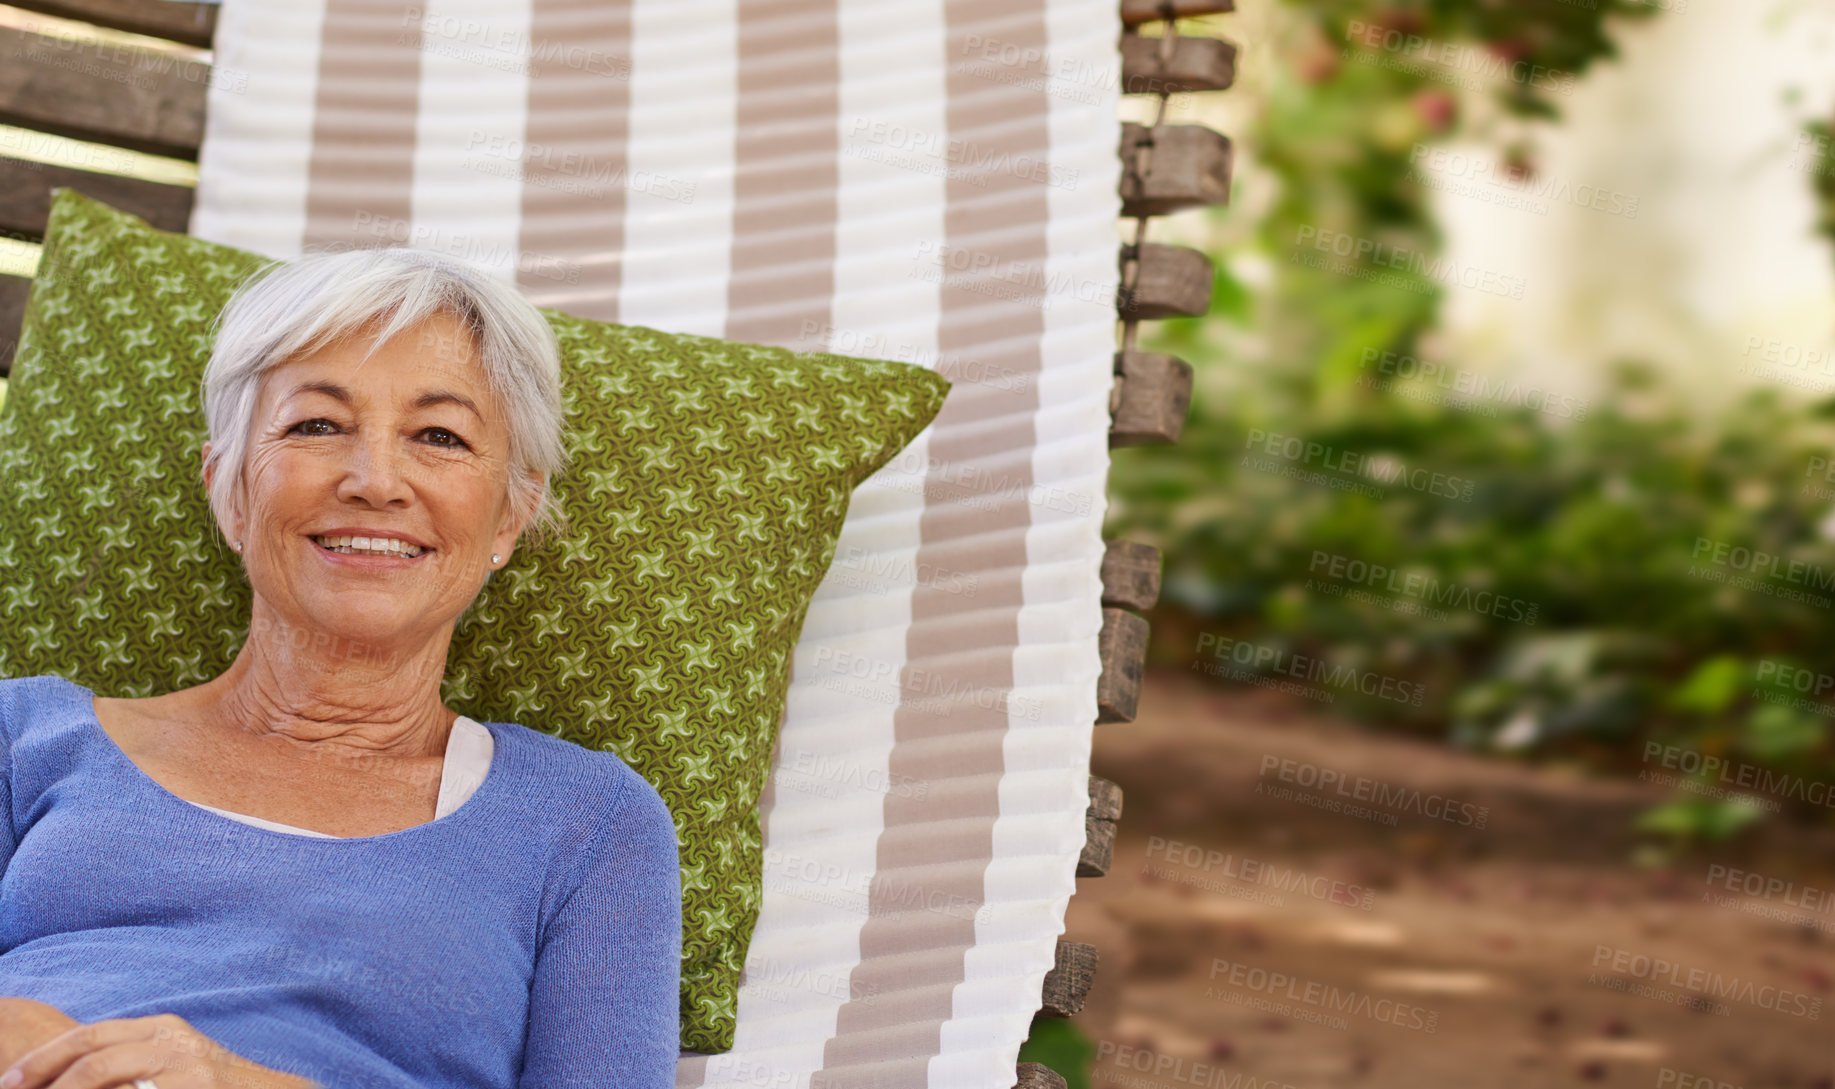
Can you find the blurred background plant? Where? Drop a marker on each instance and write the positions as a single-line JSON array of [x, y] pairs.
[[1575, 536], [1059, 1044]]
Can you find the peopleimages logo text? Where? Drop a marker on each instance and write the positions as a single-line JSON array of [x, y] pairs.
[[1741, 558], [1699, 981], [1364, 789], [1423, 587], [1719, 769]]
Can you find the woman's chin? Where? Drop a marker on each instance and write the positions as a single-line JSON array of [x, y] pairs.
[[366, 626]]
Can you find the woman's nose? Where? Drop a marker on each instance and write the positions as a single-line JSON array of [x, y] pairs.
[[376, 472]]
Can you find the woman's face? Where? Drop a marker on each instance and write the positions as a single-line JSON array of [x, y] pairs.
[[408, 445]]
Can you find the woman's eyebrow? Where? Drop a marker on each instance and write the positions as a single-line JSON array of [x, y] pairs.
[[425, 400]]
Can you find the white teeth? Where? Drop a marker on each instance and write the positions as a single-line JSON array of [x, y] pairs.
[[369, 546]]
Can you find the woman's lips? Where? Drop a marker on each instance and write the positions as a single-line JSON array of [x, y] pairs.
[[370, 559]]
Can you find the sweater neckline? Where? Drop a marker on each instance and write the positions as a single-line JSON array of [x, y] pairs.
[[486, 792]]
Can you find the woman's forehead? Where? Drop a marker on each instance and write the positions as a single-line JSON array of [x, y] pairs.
[[415, 360], [423, 391]]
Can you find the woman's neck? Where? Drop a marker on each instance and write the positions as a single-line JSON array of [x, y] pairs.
[[317, 694]]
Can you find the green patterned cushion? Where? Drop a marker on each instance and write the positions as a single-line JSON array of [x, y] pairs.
[[708, 484]]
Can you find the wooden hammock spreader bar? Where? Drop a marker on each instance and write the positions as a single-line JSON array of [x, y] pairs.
[[13, 292], [130, 98], [117, 96], [25, 197], [186, 23]]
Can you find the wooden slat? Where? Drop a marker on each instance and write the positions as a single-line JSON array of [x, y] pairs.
[[1098, 848], [13, 292], [1170, 281], [1068, 982], [1122, 645], [1175, 167], [192, 24], [1150, 399], [112, 95], [1038, 1076], [1105, 800], [25, 197], [1195, 64], [1130, 575], [1136, 12], [1099, 828]]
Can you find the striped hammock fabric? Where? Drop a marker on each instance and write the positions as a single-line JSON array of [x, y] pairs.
[[926, 180]]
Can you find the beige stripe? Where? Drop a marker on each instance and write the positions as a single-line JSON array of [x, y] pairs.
[[360, 186], [785, 173], [784, 213], [912, 960], [574, 169]]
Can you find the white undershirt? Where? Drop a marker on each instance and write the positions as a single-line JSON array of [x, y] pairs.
[[468, 761]]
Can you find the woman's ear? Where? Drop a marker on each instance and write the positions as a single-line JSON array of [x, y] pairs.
[[511, 528], [231, 532]]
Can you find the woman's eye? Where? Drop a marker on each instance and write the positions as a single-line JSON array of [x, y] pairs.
[[303, 424], [439, 431]]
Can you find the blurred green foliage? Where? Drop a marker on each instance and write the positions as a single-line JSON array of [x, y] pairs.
[[1571, 545], [1059, 1044]]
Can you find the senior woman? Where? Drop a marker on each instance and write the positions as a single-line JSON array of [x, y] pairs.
[[309, 871]]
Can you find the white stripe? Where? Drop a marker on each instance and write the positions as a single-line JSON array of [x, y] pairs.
[[1046, 750], [679, 178], [468, 151], [253, 167]]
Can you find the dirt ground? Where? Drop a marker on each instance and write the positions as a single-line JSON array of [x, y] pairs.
[[1297, 902]]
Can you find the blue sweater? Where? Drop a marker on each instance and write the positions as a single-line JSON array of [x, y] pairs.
[[531, 939]]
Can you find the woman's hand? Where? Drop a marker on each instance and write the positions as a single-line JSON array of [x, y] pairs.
[[163, 1048], [25, 1024]]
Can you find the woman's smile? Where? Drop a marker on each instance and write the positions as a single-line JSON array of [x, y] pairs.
[[351, 556], [385, 551]]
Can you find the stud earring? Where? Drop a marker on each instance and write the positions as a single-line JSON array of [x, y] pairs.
[[238, 546], [495, 557]]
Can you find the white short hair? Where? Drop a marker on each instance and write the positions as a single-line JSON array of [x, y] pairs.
[[293, 307]]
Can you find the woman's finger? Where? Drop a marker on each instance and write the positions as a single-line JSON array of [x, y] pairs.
[[47, 1064], [118, 1066]]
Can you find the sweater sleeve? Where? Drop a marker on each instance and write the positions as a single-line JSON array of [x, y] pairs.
[[605, 1003]]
